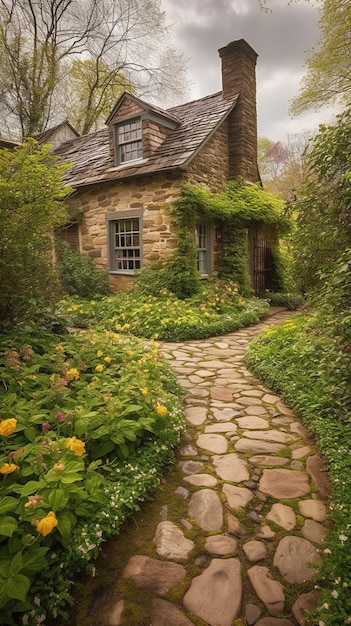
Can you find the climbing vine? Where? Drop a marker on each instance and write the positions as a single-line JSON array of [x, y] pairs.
[[234, 208]]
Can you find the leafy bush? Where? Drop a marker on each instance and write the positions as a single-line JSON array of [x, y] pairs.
[[303, 362], [79, 275], [214, 311], [88, 424], [31, 194]]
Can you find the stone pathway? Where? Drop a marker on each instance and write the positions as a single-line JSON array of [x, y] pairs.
[[256, 494]]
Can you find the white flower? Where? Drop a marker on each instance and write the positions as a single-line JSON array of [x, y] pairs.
[[342, 538], [334, 594], [347, 620]]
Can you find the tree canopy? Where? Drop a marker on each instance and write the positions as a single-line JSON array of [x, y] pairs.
[[328, 77], [118, 43]]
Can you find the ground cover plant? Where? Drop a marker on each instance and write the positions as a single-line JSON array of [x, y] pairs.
[[217, 308], [87, 427], [304, 362]]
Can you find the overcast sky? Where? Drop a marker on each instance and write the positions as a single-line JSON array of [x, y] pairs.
[[280, 39]]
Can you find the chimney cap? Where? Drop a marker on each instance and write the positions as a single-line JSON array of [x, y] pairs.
[[238, 47]]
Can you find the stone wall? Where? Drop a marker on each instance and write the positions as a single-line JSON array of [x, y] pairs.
[[211, 165]]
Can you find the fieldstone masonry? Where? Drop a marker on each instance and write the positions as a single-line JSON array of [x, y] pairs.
[[249, 549]]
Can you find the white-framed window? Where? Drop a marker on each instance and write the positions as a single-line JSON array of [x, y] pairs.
[[203, 245], [125, 244], [129, 141]]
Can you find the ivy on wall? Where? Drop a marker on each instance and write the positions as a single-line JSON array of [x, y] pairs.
[[234, 208]]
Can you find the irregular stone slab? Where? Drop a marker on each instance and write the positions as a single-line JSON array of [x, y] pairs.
[[254, 445], [314, 531], [235, 527], [274, 621], [191, 467], [188, 451], [255, 410], [269, 398], [300, 453], [205, 506], [249, 401], [198, 392], [209, 365], [213, 443], [221, 428], [225, 415], [268, 435], [231, 467], [196, 415], [153, 575], [262, 459], [220, 544], [237, 497], [297, 428], [283, 483], [252, 613], [252, 422], [165, 613], [255, 551], [282, 515], [293, 557], [171, 542], [269, 591], [215, 595], [306, 602], [221, 393], [201, 480], [314, 509], [266, 533], [316, 467], [204, 373], [115, 616]]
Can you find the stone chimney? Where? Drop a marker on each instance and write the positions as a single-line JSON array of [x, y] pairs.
[[239, 78]]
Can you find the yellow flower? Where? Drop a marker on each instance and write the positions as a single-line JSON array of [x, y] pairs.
[[72, 374], [107, 359], [161, 410], [47, 524], [76, 445], [59, 348], [99, 368], [7, 427], [8, 468], [99, 353], [144, 391]]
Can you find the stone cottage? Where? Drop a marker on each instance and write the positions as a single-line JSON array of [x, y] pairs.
[[126, 175]]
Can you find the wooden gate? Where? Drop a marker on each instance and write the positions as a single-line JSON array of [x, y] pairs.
[[260, 262]]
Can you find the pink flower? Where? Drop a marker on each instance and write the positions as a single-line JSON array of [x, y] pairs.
[[45, 426], [59, 417]]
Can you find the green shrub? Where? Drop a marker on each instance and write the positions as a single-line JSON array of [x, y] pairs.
[[79, 275], [291, 301]]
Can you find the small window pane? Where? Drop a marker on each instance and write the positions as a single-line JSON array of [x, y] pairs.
[[126, 238]]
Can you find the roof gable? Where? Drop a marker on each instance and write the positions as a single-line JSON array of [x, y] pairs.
[[196, 123], [128, 105]]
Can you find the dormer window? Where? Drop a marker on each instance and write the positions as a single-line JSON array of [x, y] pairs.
[[129, 141]]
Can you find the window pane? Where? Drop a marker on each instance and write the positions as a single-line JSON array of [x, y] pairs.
[[126, 239]]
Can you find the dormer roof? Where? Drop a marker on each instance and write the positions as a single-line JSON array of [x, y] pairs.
[[194, 124], [163, 115]]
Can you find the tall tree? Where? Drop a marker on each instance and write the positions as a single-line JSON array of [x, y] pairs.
[[328, 78], [40, 40]]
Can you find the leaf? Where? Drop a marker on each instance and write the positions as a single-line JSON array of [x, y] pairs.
[[65, 521], [16, 564], [57, 499], [7, 526], [34, 559], [17, 587], [29, 488], [70, 477], [7, 504]]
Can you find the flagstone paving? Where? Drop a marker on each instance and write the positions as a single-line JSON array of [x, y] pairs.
[[256, 493]]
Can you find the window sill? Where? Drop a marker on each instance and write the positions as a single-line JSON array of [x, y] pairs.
[[123, 166]]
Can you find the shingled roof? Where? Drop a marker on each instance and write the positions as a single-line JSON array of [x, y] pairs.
[[198, 120]]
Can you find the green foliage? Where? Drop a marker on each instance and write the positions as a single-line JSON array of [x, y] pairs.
[[328, 78], [79, 275], [303, 362], [77, 461], [31, 194], [216, 309], [235, 208], [291, 301]]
